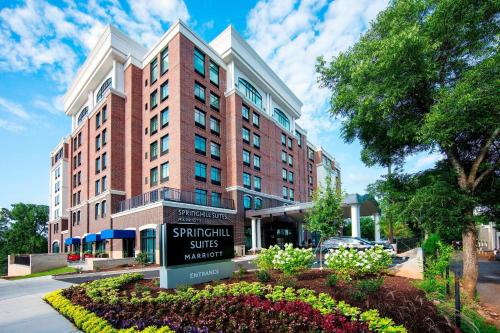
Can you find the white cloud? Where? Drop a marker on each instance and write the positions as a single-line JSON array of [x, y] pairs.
[[11, 126], [428, 160], [54, 105], [13, 109], [290, 35]]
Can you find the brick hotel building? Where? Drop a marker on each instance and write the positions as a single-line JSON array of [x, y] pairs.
[[186, 131]]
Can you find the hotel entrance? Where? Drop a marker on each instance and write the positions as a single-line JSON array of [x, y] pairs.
[[278, 233]]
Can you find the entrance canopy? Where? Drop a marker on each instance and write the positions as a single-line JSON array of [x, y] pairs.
[[72, 241], [117, 234], [90, 238]]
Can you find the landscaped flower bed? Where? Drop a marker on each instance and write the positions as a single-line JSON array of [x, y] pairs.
[[126, 302]]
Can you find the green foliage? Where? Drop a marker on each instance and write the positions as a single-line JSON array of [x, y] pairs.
[[332, 280], [369, 286], [326, 215], [263, 276], [291, 261], [264, 260], [103, 289], [142, 258], [431, 244]]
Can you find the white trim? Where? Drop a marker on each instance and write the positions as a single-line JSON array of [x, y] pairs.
[[85, 235], [130, 228], [148, 226], [64, 232], [259, 194]]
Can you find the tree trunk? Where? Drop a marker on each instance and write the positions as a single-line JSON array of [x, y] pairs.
[[470, 268]]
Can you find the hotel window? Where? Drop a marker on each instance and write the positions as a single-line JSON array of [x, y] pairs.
[[82, 115], [310, 192], [310, 153], [246, 180], [283, 156], [281, 118], [290, 177], [164, 144], [199, 118], [215, 150], [104, 114], [153, 176], [153, 99], [104, 208], [96, 210], [284, 174], [256, 141], [79, 177], [285, 192], [102, 90], [164, 91], [250, 92], [291, 194], [214, 101], [80, 139], [97, 187], [153, 151], [214, 73], [153, 125], [246, 157], [98, 165], [256, 119], [104, 184], [256, 183], [199, 62], [215, 175], [104, 137], [164, 61], [78, 218], [98, 142], [199, 92], [200, 171], [299, 138], [104, 161], [165, 117], [309, 167], [256, 162], [290, 143], [200, 144], [258, 203], [247, 202], [165, 172], [245, 132], [290, 160], [98, 120], [216, 199], [214, 126], [245, 112], [310, 180], [200, 197], [283, 139], [153, 71]]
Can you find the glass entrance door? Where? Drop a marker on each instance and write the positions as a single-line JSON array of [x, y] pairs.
[[284, 236], [148, 243], [128, 247]]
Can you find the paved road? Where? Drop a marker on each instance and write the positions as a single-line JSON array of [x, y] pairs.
[[22, 309]]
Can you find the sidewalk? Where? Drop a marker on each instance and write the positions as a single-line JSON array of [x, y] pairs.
[[23, 310]]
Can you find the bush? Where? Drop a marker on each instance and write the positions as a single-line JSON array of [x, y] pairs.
[[142, 258], [292, 261], [369, 286], [332, 280], [264, 260], [263, 276], [350, 263], [430, 245]]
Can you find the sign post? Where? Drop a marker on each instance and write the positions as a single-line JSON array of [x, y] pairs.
[[195, 253]]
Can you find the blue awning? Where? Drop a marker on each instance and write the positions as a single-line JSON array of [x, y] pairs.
[[117, 234], [72, 241], [90, 238]]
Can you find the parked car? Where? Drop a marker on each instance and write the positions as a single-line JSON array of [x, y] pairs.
[[349, 242]]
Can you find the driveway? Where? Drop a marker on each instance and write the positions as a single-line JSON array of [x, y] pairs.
[[23, 310]]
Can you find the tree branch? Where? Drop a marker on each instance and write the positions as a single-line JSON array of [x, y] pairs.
[[480, 157], [481, 176], [462, 177]]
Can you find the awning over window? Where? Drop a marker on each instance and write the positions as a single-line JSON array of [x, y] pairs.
[[117, 234], [72, 241], [90, 238]]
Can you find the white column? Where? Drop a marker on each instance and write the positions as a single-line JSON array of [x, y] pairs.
[[254, 234], [259, 235], [376, 219], [355, 220]]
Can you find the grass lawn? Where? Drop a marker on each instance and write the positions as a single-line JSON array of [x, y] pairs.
[[55, 271]]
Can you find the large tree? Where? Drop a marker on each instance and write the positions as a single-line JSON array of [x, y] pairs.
[[424, 77]]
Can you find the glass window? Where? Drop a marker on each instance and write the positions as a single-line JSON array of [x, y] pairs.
[[164, 60], [310, 153], [97, 165], [165, 171], [104, 161], [215, 150], [291, 194], [164, 91], [256, 119], [104, 208], [199, 62], [256, 183], [256, 162], [215, 126], [246, 135], [102, 90], [284, 174], [98, 142], [258, 203], [104, 113], [96, 210], [153, 176], [199, 118], [256, 140], [153, 75], [250, 92], [104, 184], [165, 116], [153, 150], [285, 192], [247, 202], [200, 196], [153, 99], [283, 156], [97, 187], [246, 180], [82, 115], [200, 171], [283, 139], [215, 175], [199, 92], [281, 118], [246, 157], [245, 112], [290, 143], [164, 144], [148, 244], [290, 160], [104, 137], [98, 120], [216, 199], [214, 101], [214, 73], [153, 124], [200, 144], [290, 177], [299, 138]]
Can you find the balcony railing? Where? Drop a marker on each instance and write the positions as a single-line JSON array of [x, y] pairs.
[[171, 194]]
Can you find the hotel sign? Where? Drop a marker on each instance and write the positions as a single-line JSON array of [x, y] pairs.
[[198, 243], [197, 216]]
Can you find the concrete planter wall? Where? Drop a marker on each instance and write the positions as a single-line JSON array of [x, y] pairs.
[[38, 263], [103, 263]]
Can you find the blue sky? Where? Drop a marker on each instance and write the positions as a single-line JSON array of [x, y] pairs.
[[42, 45]]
